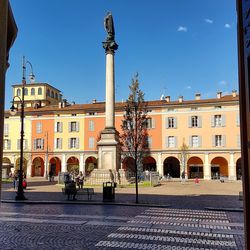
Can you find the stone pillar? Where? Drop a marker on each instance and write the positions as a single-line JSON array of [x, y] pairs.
[[231, 167], [29, 166], [81, 163], [207, 168], [108, 146], [64, 165], [159, 164]]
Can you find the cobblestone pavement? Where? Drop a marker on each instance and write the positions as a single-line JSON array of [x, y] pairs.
[[68, 226], [182, 223]]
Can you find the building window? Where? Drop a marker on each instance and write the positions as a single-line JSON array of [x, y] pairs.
[[26, 91], [6, 144], [56, 96], [171, 142], [18, 92], [38, 127], [25, 144], [40, 91], [171, 122], [73, 143], [38, 143], [91, 126], [32, 92], [149, 142], [194, 121], [217, 121], [74, 127], [219, 140], [58, 143], [195, 141], [91, 142], [91, 113], [6, 130], [52, 94], [48, 92], [217, 107], [150, 123], [58, 127]]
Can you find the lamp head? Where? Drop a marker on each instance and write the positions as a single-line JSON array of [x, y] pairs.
[[13, 109], [32, 77]]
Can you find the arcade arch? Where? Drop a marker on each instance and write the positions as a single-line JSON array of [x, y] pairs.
[[90, 165], [37, 167], [55, 165], [149, 163], [128, 164], [73, 164], [195, 168], [238, 169], [219, 167], [172, 167]]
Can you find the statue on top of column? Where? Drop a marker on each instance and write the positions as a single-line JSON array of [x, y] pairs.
[[109, 45]]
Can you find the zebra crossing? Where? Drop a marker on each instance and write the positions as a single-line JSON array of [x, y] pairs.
[[166, 228]]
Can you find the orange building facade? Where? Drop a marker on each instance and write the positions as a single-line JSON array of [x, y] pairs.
[[199, 137]]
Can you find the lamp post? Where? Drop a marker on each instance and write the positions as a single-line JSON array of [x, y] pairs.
[[13, 110]]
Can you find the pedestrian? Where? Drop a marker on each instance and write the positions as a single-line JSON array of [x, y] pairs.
[[50, 175], [119, 177], [80, 178], [70, 190], [197, 181], [183, 177], [15, 177], [112, 178]]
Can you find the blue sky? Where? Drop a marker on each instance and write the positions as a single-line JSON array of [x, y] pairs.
[[178, 47]]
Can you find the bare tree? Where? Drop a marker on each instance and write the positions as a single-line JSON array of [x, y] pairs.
[[134, 137], [183, 157]]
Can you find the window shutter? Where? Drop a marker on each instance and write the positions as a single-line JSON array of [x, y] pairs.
[[175, 122], [200, 141], [166, 122], [55, 127], [18, 144], [190, 141], [223, 120], [25, 144], [238, 141], [60, 143], [213, 140], [9, 144], [167, 142], [153, 123], [237, 119], [223, 141], [55, 143], [212, 121], [42, 143], [189, 122], [60, 127], [77, 142], [35, 143], [69, 144], [69, 124], [175, 141], [77, 126], [199, 121]]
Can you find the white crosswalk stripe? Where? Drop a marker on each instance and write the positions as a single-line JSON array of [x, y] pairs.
[[174, 229]]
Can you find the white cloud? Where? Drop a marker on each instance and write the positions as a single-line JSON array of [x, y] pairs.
[[223, 83], [207, 20], [188, 87], [227, 26], [182, 29]]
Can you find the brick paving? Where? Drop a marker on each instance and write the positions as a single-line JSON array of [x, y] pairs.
[[183, 223]]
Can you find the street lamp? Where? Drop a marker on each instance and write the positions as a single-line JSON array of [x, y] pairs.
[[13, 110]]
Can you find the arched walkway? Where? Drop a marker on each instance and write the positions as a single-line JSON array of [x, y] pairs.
[[149, 163], [238, 169], [37, 167], [128, 164], [6, 167], [219, 167], [195, 168], [73, 165], [55, 165], [172, 167], [90, 165], [24, 167]]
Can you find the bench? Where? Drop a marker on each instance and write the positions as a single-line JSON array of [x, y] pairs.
[[87, 191]]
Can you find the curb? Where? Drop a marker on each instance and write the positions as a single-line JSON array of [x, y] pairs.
[[83, 203], [227, 209]]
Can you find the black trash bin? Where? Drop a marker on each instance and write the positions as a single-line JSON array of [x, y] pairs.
[[109, 191]]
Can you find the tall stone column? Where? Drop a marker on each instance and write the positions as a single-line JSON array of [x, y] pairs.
[[64, 166], [207, 168], [232, 167], [108, 146]]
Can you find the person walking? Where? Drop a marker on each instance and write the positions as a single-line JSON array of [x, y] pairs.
[[80, 180], [50, 175]]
